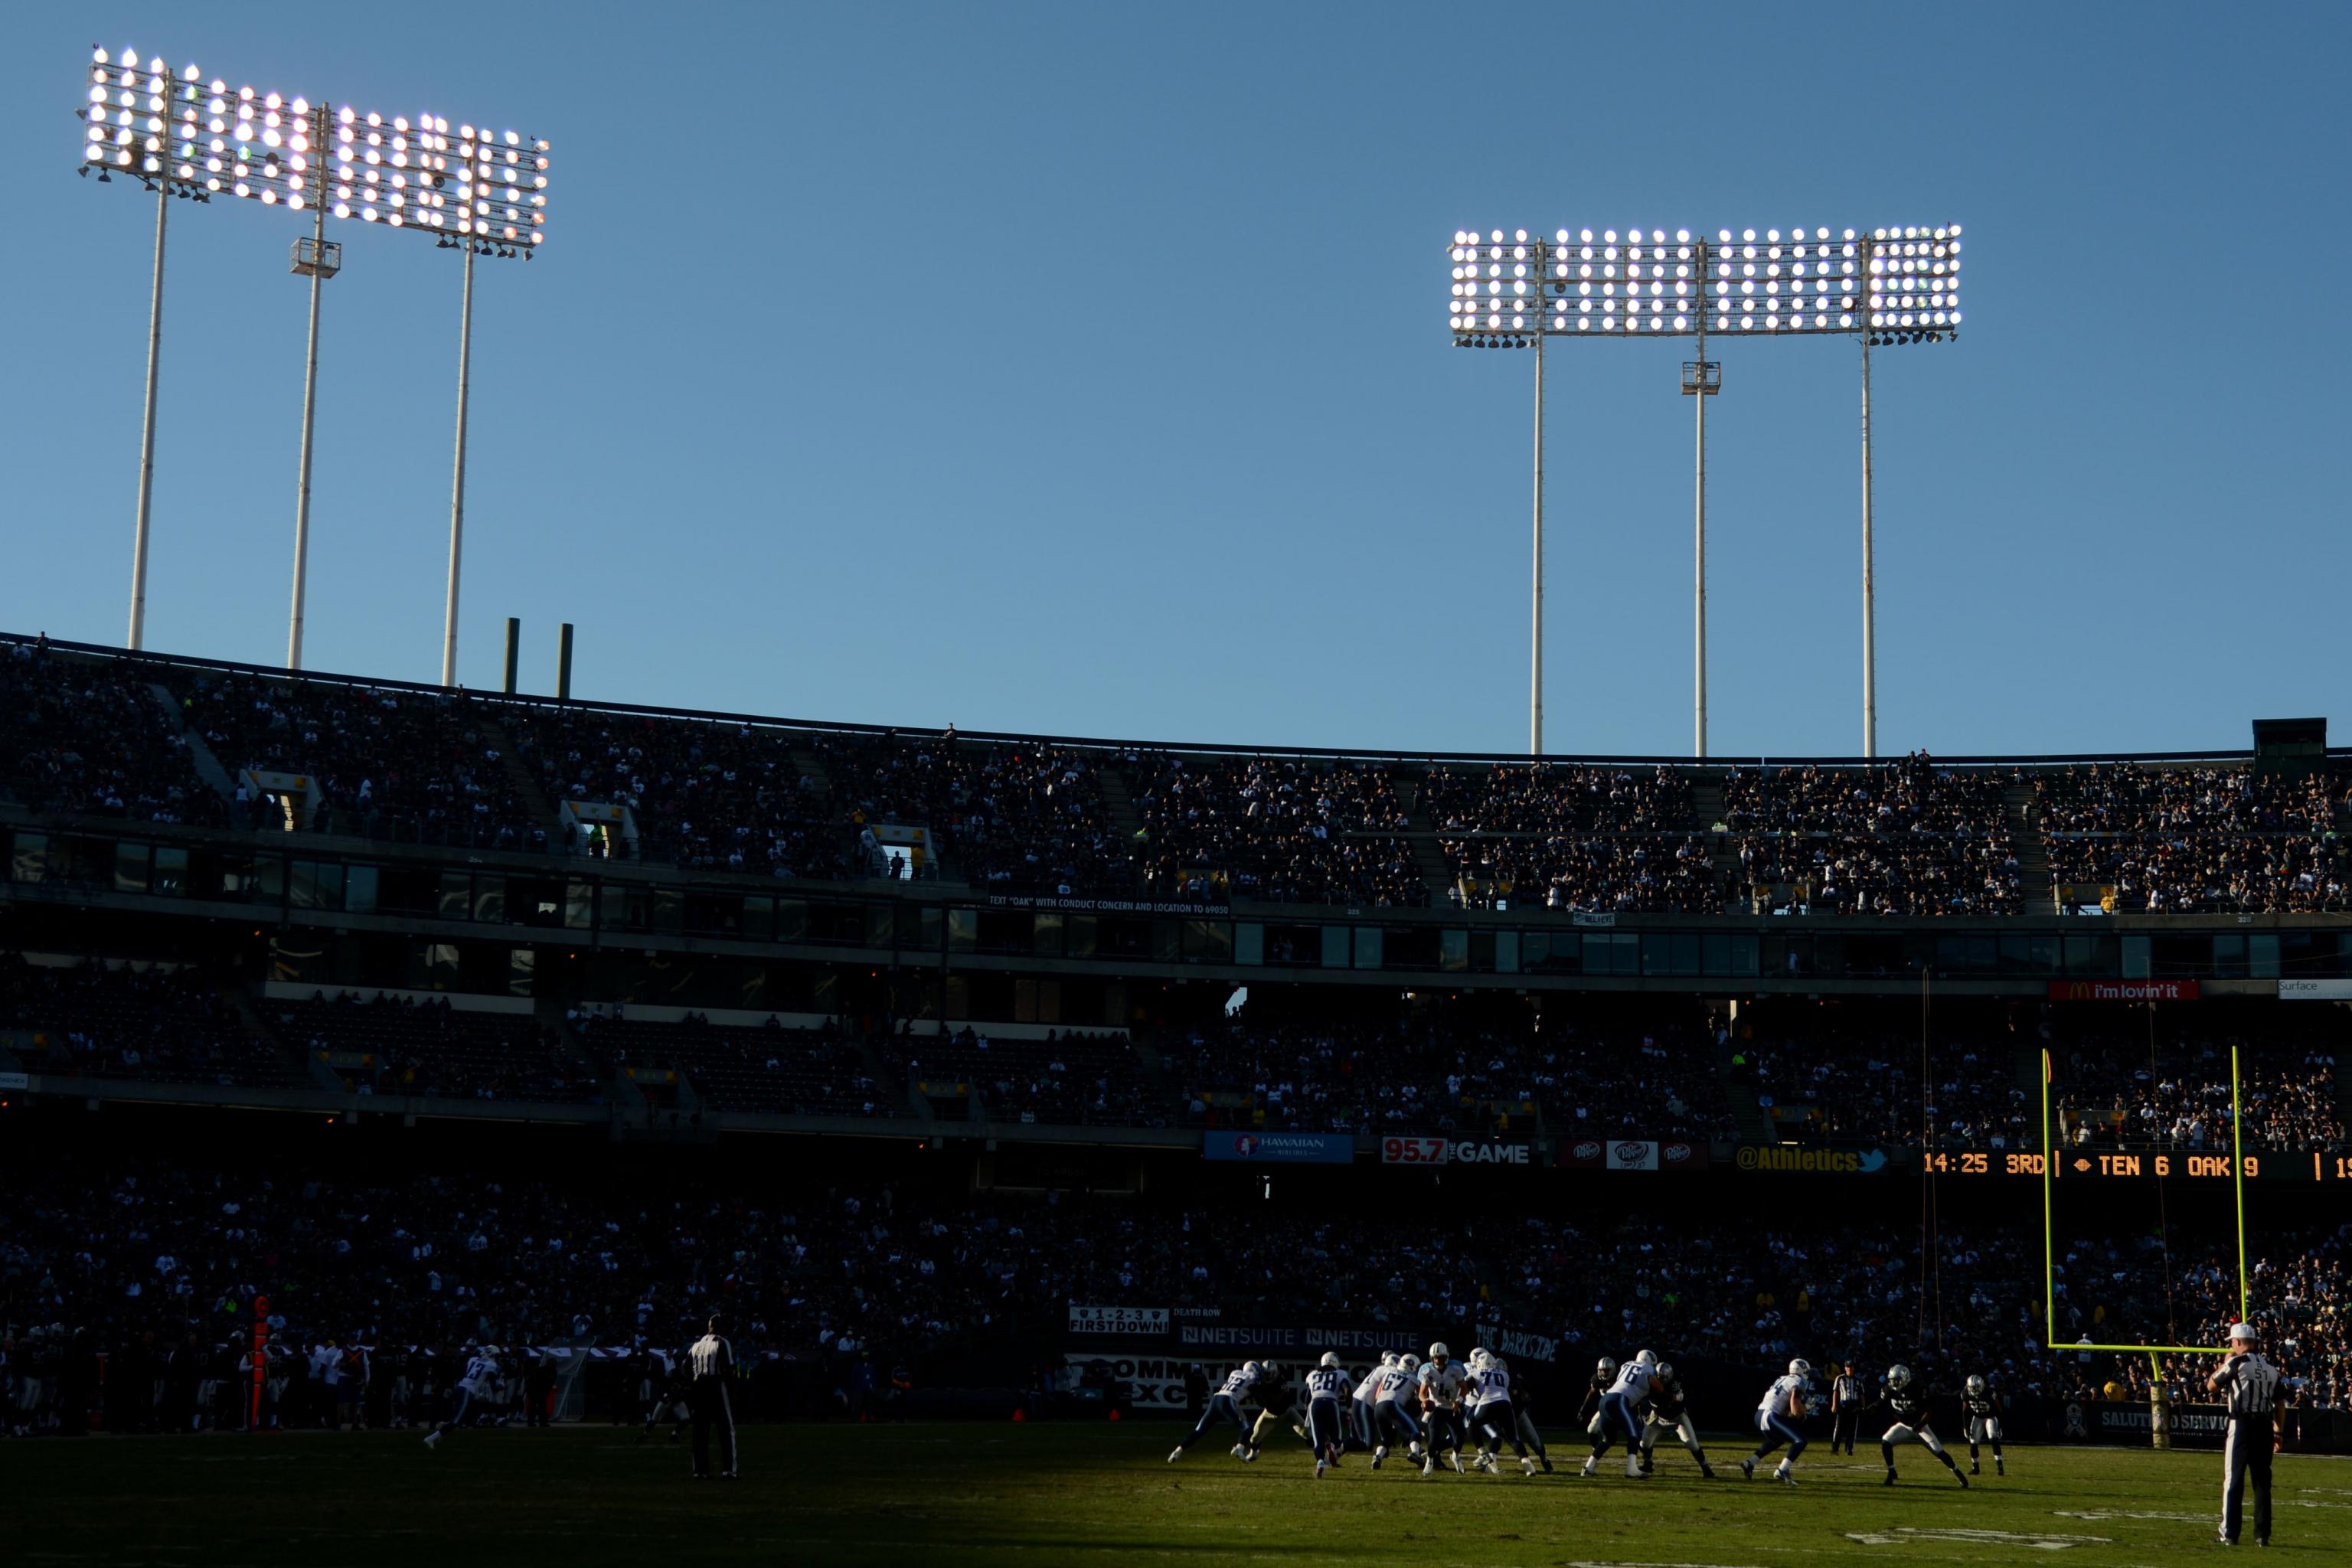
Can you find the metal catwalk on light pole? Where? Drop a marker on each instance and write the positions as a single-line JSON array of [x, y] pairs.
[[318, 258], [1535, 639], [147, 429], [1897, 286], [1702, 379], [458, 473], [1869, 602]]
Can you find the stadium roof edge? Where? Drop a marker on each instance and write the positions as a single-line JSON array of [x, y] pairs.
[[526, 699]]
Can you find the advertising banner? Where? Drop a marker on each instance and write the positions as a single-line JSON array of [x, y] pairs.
[[1632, 1154], [1834, 1162], [1513, 1344], [1455, 1151], [1280, 1148], [2190, 1425], [1682, 1154], [2123, 991], [1155, 1379], [1583, 1154], [1214, 1339], [16, 1080], [1118, 1320], [2316, 990]]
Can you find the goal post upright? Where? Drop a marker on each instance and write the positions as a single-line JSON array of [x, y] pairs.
[[2237, 1178], [2051, 1156]]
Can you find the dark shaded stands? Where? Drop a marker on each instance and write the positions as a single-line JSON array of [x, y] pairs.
[[97, 738], [1911, 837], [1792, 1071], [835, 1289]]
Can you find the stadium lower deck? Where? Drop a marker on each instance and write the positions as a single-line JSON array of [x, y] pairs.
[[989, 1494]]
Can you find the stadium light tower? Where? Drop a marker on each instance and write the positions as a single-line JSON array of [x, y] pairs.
[[1893, 286], [484, 193]]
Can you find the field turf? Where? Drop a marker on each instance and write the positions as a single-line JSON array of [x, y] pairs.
[[1084, 1494]]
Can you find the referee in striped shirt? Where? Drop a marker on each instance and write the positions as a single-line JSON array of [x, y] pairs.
[[2248, 1385], [710, 1362]]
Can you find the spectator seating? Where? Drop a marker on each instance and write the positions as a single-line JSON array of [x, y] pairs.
[[109, 1018], [394, 1045]]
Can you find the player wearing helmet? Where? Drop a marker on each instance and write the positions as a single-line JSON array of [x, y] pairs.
[[482, 1371], [1669, 1411], [1392, 1401], [1224, 1406], [1441, 1379], [1620, 1415], [1360, 1405], [1324, 1390], [1492, 1414], [1981, 1408], [1784, 1405], [1587, 1415], [1907, 1399]]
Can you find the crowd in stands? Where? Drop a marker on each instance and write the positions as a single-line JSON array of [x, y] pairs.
[[1016, 817], [1571, 836], [2113, 1092], [157, 1023], [764, 1067], [95, 738], [404, 1045], [2160, 1288], [423, 767], [1819, 1081], [1067, 1078], [707, 795], [2194, 840], [142, 1257], [1281, 829], [1908, 837], [1427, 1077]]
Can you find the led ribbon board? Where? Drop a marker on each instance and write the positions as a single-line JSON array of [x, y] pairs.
[[150, 121], [1505, 287]]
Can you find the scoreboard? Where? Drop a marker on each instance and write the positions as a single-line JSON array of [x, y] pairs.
[[2142, 1164]]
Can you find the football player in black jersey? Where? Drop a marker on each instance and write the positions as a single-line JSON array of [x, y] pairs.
[[1906, 1399], [1981, 1408]]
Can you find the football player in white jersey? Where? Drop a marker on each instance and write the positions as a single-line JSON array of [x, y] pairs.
[[1492, 1413], [1777, 1415], [1392, 1402], [1225, 1405], [1361, 1406], [1621, 1417], [1441, 1378], [481, 1369], [1324, 1390]]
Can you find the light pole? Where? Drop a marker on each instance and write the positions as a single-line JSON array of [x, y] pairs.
[[483, 191], [317, 259], [127, 108], [1702, 379], [1535, 637], [1899, 286]]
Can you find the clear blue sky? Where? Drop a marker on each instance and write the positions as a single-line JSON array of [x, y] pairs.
[[1084, 369]]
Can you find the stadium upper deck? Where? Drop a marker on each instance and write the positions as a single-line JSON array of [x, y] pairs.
[[91, 732]]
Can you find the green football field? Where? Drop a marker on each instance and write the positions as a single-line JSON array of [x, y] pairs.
[[1082, 1494]]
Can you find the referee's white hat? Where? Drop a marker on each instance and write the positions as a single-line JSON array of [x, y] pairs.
[[2242, 1332]]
